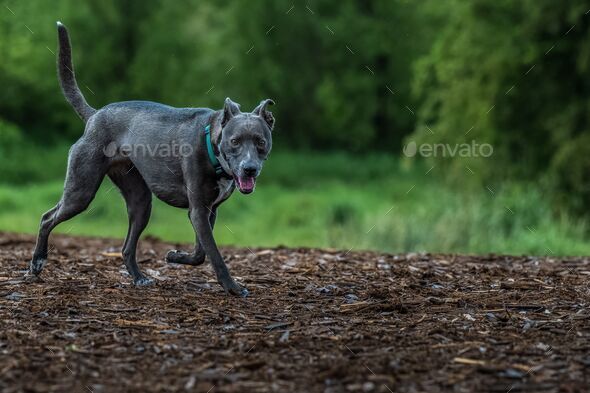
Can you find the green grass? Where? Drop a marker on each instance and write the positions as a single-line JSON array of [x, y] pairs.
[[333, 200]]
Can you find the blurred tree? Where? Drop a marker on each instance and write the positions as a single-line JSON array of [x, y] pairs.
[[25, 97], [514, 75], [104, 39], [340, 71]]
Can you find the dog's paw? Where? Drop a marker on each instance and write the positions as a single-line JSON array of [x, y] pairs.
[[184, 258], [235, 289], [172, 256], [36, 266], [31, 278], [143, 281], [244, 292]]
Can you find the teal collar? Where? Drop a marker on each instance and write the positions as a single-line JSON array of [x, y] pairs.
[[211, 153]]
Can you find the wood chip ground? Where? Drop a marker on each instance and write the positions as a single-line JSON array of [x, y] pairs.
[[315, 321]]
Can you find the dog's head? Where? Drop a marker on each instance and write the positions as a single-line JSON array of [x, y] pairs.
[[245, 141]]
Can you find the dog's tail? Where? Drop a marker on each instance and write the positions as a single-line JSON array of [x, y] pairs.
[[67, 79]]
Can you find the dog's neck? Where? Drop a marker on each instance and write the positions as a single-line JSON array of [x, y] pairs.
[[216, 129], [215, 123]]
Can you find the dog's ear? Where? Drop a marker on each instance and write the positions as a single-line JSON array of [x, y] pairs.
[[266, 115], [230, 109]]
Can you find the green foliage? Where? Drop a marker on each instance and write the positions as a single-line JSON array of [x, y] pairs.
[[25, 161], [513, 74], [10, 136], [376, 205], [571, 171], [340, 73]]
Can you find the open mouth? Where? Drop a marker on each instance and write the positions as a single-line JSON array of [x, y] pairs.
[[245, 184]]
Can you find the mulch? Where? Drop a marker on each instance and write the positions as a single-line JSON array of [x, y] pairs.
[[315, 321]]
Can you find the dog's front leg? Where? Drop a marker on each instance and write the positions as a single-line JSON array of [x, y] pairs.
[[197, 257], [200, 220]]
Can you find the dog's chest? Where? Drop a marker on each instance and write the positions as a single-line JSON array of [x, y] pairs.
[[225, 188]]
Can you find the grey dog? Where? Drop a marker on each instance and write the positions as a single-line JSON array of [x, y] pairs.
[[226, 148]]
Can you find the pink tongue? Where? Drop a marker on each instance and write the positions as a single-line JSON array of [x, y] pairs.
[[246, 183]]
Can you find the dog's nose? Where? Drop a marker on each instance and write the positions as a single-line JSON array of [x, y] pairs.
[[250, 170]]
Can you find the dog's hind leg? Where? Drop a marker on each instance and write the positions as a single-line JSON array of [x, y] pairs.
[[138, 198], [195, 258], [86, 169]]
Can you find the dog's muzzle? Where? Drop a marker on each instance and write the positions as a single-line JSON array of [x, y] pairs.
[[246, 181], [246, 185]]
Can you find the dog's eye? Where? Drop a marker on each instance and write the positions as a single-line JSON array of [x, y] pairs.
[[234, 142], [261, 143]]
